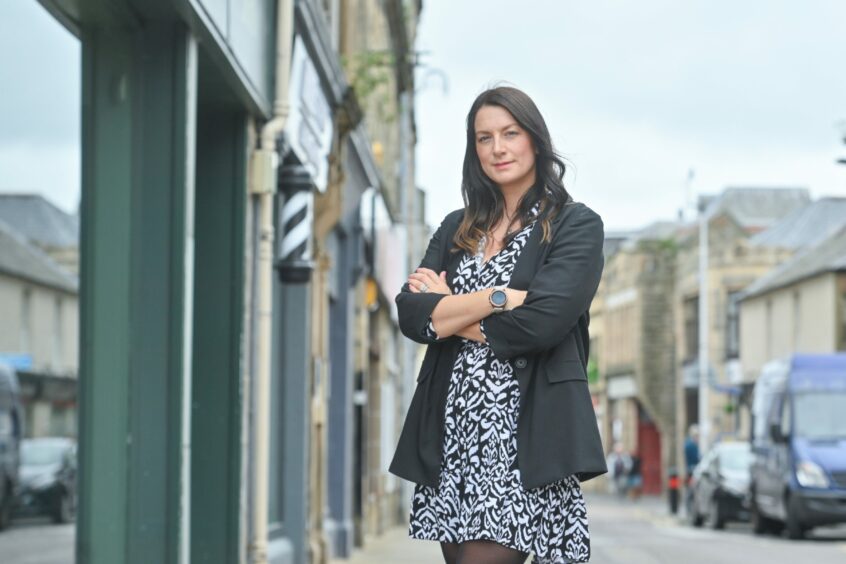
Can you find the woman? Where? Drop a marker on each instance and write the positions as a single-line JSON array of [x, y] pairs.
[[501, 427]]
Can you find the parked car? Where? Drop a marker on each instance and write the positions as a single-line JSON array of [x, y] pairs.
[[799, 445], [10, 437], [48, 479], [719, 488]]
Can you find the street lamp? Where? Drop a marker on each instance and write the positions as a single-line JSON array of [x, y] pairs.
[[706, 212]]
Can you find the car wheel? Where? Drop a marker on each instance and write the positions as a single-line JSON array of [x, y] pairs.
[[715, 514], [64, 509], [693, 516], [795, 528]]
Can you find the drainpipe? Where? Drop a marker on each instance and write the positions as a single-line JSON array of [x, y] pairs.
[[263, 187]]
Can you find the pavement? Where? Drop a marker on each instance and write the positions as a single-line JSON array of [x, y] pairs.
[[394, 547]]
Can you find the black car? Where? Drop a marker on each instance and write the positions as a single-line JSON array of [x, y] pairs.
[[719, 489], [48, 479]]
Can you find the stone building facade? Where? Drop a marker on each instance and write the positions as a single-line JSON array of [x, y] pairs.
[[636, 353]]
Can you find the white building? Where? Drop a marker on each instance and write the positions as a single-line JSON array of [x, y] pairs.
[[39, 334]]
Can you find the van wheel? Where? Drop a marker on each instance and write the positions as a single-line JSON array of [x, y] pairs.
[[693, 516], [795, 528]]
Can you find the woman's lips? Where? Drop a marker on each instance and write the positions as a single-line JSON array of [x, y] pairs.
[[500, 166]]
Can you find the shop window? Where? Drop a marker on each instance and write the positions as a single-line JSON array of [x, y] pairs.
[[732, 326], [691, 329]]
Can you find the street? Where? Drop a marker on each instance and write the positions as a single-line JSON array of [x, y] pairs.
[[37, 541], [643, 532], [622, 532]]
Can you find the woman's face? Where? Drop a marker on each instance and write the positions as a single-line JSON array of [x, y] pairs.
[[505, 149]]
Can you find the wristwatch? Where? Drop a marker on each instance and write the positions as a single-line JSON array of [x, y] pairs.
[[498, 299]]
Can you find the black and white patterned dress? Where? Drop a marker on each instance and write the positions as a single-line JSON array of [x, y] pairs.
[[480, 494]]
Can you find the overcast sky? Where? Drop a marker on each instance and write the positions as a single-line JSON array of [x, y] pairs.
[[747, 93], [39, 105], [635, 93]]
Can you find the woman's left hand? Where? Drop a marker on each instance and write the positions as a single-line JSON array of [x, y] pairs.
[[434, 283]]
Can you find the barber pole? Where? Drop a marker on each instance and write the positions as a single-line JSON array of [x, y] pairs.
[[295, 225]]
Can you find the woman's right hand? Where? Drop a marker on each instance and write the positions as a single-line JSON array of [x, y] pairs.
[[435, 283], [515, 298]]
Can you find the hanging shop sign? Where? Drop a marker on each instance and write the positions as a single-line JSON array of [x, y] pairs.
[[309, 124]]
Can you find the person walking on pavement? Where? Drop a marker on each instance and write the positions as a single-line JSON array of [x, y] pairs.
[[501, 428], [619, 462], [691, 459], [691, 449], [635, 479]]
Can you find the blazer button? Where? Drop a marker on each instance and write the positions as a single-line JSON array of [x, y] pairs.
[[520, 362]]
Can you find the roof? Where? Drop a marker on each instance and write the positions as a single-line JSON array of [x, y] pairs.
[[21, 259], [655, 231], [805, 227], [827, 256], [613, 241], [39, 221], [756, 209]]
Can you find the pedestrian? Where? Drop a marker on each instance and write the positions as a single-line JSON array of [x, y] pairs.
[[635, 478], [619, 462], [691, 459], [501, 428], [691, 449]]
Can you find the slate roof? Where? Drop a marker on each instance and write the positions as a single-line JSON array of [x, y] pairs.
[[21, 259], [613, 241], [39, 221], [827, 256], [805, 227], [756, 209]]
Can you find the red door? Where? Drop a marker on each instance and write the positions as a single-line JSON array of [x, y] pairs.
[[649, 447]]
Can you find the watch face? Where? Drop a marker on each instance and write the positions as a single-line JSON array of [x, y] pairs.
[[498, 298]]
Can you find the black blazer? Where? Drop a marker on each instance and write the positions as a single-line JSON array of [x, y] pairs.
[[546, 340]]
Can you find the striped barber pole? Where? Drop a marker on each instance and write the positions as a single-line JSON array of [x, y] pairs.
[[296, 219]]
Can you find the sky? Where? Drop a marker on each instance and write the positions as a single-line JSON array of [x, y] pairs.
[[39, 105], [636, 94]]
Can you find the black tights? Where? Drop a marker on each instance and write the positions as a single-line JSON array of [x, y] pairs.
[[481, 552]]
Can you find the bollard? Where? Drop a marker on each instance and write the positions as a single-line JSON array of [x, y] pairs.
[[673, 490]]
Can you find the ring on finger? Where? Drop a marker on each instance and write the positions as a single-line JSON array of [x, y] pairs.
[[424, 288]]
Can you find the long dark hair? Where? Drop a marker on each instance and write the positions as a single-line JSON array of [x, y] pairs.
[[483, 201]]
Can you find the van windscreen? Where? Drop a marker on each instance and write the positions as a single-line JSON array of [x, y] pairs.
[[819, 415]]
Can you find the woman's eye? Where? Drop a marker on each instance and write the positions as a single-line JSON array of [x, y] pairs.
[[511, 133], [483, 138]]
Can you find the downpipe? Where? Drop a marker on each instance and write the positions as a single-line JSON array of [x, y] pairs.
[[264, 164]]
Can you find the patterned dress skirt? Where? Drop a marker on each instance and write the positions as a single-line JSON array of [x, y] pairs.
[[480, 495]]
